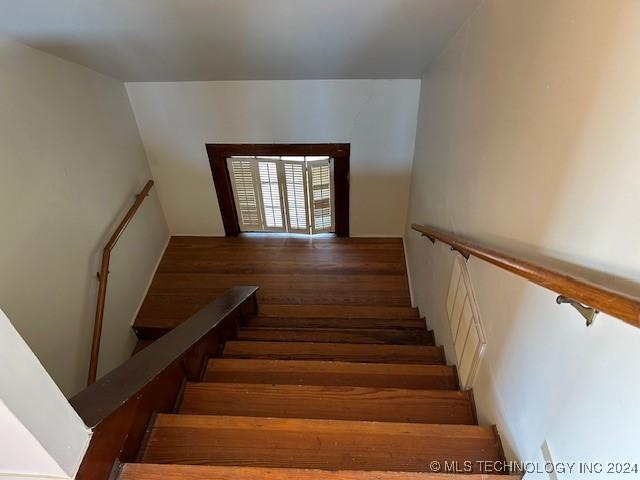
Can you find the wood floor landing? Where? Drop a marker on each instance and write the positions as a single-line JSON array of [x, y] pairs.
[[322, 277]]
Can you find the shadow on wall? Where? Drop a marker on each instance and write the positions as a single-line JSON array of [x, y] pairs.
[[525, 142], [380, 214], [90, 295], [377, 117], [546, 350]]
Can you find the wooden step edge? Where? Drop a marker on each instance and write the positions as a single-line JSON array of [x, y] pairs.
[[231, 348], [450, 407], [345, 329], [247, 422], [400, 319], [338, 311], [314, 323], [325, 372], [371, 336], [261, 343], [449, 370], [467, 394], [150, 471]]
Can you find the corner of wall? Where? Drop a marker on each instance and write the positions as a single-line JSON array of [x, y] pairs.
[[408, 268], [151, 277]]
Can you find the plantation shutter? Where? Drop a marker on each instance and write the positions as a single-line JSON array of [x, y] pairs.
[[272, 206], [296, 195], [274, 194], [244, 181], [320, 174]]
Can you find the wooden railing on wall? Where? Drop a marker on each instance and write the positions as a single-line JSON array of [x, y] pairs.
[[572, 288], [102, 278], [118, 407]]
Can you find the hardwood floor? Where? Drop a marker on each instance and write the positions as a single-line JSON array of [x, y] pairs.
[[331, 403], [329, 277], [335, 378], [310, 443]]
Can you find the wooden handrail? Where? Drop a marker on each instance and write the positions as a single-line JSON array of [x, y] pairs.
[[119, 406], [102, 278], [596, 295]]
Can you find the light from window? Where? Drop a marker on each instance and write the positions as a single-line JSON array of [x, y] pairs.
[[278, 194], [270, 194], [296, 195]]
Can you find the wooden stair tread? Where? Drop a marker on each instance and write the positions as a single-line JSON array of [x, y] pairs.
[[323, 444], [339, 335], [336, 322], [309, 372], [172, 283], [329, 402], [337, 373], [168, 311], [347, 352], [337, 311], [142, 471]]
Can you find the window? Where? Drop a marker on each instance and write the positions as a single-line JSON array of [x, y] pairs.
[[281, 187], [243, 174], [283, 193], [295, 188], [271, 202], [319, 180]]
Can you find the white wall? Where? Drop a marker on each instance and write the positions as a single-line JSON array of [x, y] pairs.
[[528, 138], [71, 163], [42, 436], [378, 118]]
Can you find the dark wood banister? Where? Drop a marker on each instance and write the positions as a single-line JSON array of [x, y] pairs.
[[596, 295], [119, 406], [102, 278]]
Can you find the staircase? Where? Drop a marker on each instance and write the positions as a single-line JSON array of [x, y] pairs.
[[319, 391]]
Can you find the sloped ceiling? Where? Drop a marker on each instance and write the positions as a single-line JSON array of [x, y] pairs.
[[174, 40]]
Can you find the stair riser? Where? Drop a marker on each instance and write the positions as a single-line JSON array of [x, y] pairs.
[[335, 352], [349, 323], [376, 337]]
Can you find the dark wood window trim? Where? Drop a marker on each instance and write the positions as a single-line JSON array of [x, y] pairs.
[[219, 152]]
